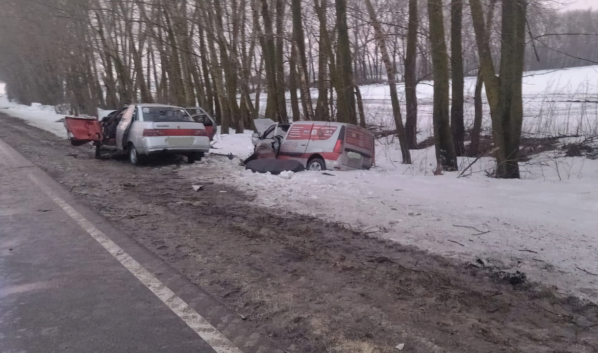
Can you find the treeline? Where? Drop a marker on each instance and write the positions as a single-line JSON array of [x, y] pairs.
[[562, 39], [228, 56]]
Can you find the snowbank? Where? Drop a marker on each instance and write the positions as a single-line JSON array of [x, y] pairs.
[[238, 145], [41, 116]]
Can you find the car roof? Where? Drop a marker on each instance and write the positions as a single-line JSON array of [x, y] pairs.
[[157, 105]]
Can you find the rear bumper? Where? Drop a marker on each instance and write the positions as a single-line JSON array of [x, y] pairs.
[[338, 165], [151, 145]]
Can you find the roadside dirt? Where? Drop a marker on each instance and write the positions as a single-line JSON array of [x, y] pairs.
[[310, 286]]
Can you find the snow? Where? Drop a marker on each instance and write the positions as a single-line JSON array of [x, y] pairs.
[[41, 116], [236, 144], [543, 225], [538, 225]]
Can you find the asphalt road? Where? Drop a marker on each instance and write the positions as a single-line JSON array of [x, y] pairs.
[[69, 282]]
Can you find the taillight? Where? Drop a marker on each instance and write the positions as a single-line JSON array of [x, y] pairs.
[[152, 132], [200, 132], [338, 148]]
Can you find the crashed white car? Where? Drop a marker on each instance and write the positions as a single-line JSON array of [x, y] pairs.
[[318, 145], [142, 130]]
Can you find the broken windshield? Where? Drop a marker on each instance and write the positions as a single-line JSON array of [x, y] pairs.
[[165, 114]]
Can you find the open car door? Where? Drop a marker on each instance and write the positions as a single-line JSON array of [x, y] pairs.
[[122, 130], [81, 131], [201, 116]]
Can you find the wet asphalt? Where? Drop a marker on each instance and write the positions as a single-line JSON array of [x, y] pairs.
[[61, 291]]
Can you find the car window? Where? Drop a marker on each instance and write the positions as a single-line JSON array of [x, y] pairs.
[[204, 119], [281, 129], [165, 114]]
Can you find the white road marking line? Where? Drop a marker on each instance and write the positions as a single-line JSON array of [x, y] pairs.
[[195, 321]]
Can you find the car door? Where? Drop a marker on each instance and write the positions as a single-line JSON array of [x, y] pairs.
[[296, 141], [123, 128], [81, 131]]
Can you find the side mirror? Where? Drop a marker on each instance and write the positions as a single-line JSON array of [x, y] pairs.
[[255, 138]]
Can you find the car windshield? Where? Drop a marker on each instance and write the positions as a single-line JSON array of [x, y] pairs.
[[165, 114]]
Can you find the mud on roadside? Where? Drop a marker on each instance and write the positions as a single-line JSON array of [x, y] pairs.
[[310, 286]]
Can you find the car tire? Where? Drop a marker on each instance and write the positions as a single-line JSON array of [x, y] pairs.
[[98, 154], [134, 157], [316, 164]]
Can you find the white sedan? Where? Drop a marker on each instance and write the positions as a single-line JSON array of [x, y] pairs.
[[142, 130]]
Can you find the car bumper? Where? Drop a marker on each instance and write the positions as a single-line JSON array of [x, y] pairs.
[[191, 144], [338, 165]]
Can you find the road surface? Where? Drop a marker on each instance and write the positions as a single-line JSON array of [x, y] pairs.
[[70, 282]]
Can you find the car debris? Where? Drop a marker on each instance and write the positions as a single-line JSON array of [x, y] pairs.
[[142, 130], [274, 166], [197, 188]]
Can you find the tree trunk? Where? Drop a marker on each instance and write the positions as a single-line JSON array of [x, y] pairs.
[[345, 97], [411, 76], [443, 139], [299, 39], [322, 110], [293, 84], [392, 82], [511, 76], [280, 83], [504, 93], [269, 53], [206, 72], [360, 107], [457, 123], [474, 147]]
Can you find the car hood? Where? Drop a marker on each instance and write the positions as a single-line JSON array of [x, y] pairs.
[[263, 124]]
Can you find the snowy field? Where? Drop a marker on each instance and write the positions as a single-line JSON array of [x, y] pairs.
[[544, 225]]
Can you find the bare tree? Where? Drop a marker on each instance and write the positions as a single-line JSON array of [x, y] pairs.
[[504, 93], [445, 150], [390, 70], [457, 121], [345, 96], [411, 75]]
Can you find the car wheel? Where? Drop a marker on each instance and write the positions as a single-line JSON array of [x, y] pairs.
[[191, 158], [316, 164], [98, 151], [134, 157]]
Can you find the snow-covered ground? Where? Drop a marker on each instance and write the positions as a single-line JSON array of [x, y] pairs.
[[540, 225], [543, 225]]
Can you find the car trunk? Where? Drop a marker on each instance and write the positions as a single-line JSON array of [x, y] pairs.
[[179, 128], [177, 134]]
